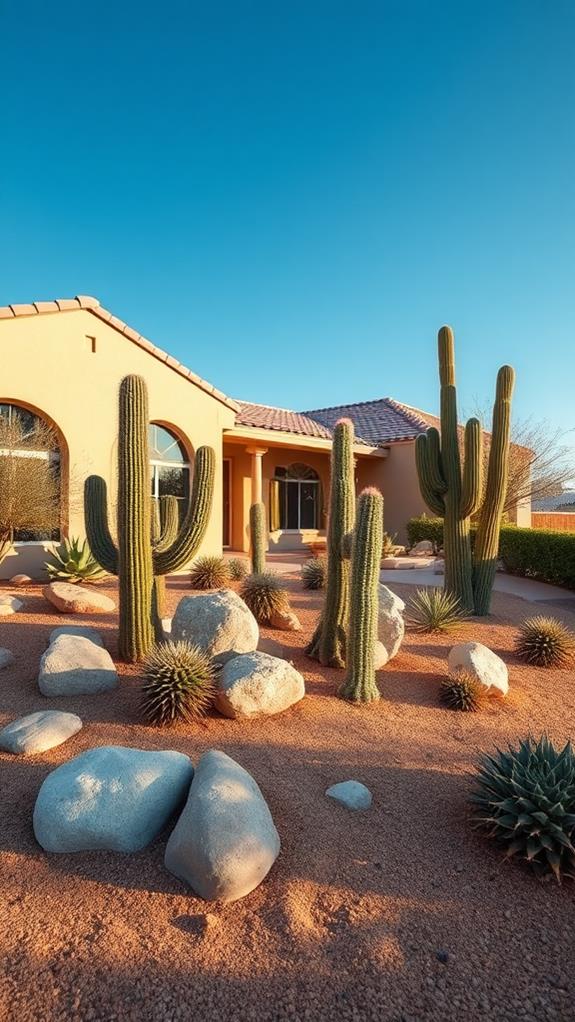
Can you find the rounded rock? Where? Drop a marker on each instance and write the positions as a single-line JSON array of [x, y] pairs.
[[219, 623]]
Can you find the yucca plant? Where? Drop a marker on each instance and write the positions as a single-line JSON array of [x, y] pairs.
[[525, 800], [74, 562], [239, 568], [314, 573], [265, 595], [462, 692], [209, 572], [434, 610], [178, 683], [389, 544], [545, 642]]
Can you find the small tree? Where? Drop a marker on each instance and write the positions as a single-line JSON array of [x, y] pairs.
[[29, 479]]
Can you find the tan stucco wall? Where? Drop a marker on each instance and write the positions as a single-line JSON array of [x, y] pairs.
[[48, 364], [400, 487]]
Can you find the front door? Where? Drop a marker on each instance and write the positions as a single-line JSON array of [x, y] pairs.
[[227, 511]]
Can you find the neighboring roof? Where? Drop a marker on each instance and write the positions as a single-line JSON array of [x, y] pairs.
[[562, 502], [268, 417], [378, 422], [92, 305]]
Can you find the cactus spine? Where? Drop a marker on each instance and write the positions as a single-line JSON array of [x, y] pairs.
[[135, 561], [360, 685], [328, 643], [258, 538], [487, 539]]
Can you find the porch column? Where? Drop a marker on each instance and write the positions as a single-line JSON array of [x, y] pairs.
[[257, 454]]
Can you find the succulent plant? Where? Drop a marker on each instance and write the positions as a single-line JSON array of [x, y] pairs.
[[525, 799], [258, 538], [433, 610], [462, 691], [546, 642], [239, 568], [360, 685], [389, 544], [209, 572], [74, 562], [178, 683], [265, 595], [314, 572]]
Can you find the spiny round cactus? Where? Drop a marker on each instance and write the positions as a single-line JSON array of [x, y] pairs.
[[525, 800], [462, 692], [178, 683], [239, 568], [546, 642], [209, 573], [434, 610], [314, 573], [265, 595]]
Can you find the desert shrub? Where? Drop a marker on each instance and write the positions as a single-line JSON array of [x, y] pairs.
[[314, 573], [29, 483], [178, 683], [462, 692], [434, 610], [209, 572], [265, 595], [425, 528], [545, 641], [238, 568], [389, 544], [73, 561], [525, 799]]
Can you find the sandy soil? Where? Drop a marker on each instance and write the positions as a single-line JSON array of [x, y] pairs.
[[358, 911]]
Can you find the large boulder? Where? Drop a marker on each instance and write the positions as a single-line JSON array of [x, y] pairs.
[[74, 599], [38, 732], [74, 666], [225, 841], [9, 605], [83, 630], [112, 798], [391, 626], [482, 664], [422, 549], [257, 685], [219, 623]]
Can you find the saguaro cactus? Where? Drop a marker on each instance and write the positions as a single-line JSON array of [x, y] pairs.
[[328, 643], [135, 561], [448, 491], [165, 524], [258, 538], [487, 539], [359, 684]]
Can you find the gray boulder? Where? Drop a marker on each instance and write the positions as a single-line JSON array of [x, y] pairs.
[[112, 798], [74, 665], [391, 626], [257, 685], [482, 664], [225, 841], [83, 630], [351, 794], [74, 599], [38, 732], [7, 657], [219, 623]]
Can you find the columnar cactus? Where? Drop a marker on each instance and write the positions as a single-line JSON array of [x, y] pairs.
[[328, 643], [165, 524], [258, 538], [359, 684], [135, 561]]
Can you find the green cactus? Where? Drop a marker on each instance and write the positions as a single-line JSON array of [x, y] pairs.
[[135, 561], [328, 643], [165, 524], [359, 685], [258, 538], [487, 539]]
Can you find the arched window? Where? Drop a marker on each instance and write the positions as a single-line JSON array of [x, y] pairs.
[[296, 498], [30, 485], [170, 466]]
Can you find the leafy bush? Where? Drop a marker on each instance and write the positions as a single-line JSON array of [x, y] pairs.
[[314, 573], [74, 562], [525, 800], [178, 683], [462, 692], [265, 595], [425, 528], [545, 641], [238, 567], [209, 573], [434, 610]]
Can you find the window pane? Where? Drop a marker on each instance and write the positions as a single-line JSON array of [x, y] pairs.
[[308, 505], [164, 446], [174, 481]]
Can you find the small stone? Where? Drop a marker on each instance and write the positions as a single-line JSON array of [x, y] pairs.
[[422, 549], [74, 599], [38, 732], [352, 794], [6, 657], [20, 580], [9, 605], [443, 957], [285, 621], [482, 664]]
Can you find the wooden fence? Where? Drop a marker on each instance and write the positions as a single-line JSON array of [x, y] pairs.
[[559, 521]]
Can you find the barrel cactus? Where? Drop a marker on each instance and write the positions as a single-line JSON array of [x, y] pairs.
[[359, 684]]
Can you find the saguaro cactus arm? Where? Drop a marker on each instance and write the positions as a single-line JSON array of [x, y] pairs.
[[428, 463], [97, 530], [169, 523], [195, 523], [472, 470]]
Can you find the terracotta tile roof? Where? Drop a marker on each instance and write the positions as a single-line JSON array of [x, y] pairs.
[[378, 422], [267, 417], [93, 306]]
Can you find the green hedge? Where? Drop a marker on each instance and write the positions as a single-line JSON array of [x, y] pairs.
[[535, 553]]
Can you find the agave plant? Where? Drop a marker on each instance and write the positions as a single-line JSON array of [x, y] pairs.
[[265, 595], [462, 692], [314, 573], [74, 562], [434, 610], [546, 642], [239, 568], [178, 683], [209, 573], [525, 800]]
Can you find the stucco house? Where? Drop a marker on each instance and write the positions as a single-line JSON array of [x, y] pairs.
[[63, 361]]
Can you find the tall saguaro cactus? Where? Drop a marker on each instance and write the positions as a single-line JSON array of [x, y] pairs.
[[359, 685], [258, 538], [328, 644], [135, 561]]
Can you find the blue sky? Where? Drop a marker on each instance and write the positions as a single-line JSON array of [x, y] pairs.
[[293, 197]]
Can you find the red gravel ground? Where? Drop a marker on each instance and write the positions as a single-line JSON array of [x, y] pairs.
[[359, 909]]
